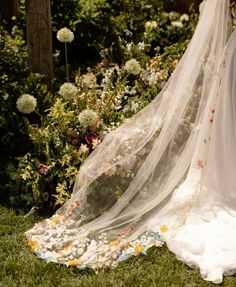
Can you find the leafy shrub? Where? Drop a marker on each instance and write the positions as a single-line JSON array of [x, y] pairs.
[[14, 138], [73, 127], [132, 46]]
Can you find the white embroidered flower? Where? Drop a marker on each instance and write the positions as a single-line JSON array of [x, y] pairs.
[[133, 67], [65, 35], [184, 17], [177, 24], [129, 162], [68, 91], [141, 46], [110, 169], [88, 118], [151, 25], [26, 104]]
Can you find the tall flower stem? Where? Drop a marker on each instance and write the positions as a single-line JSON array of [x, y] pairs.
[[67, 69]]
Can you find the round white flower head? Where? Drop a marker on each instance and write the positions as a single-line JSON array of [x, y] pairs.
[[184, 17], [177, 24], [88, 118], [65, 35], [68, 91], [151, 25], [133, 67], [26, 104]]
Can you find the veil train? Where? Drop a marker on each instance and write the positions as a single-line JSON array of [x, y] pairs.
[[166, 174]]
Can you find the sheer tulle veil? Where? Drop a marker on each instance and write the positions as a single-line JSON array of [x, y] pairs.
[[125, 189]]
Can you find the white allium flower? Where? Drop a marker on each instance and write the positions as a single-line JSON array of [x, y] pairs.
[[65, 35], [26, 104], [133, 67], [184, 17], [177, 24], [141, 46], [68, 91], [88, 118], [151, 25]]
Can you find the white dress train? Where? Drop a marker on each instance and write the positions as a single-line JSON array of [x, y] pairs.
[[201, 214]]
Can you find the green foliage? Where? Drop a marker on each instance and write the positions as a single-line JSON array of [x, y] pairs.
[[14, 138], [42, 152], [62, 141], [100, 25]]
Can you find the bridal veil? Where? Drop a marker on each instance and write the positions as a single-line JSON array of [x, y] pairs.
[[162, 174]]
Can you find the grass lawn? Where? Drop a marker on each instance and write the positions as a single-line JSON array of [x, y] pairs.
[[20, 267]]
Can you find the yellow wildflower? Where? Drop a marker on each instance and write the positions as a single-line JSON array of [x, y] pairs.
[[55, 219], [33, 244], [74, 262], [163, 228], [113, 243], [66, 246]]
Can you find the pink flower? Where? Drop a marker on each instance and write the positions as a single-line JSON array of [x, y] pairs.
[[200, 164], [43, 169], [89, 138]]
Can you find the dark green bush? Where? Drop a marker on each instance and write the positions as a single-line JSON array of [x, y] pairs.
[[14, 138]]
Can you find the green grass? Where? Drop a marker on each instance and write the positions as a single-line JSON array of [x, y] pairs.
[[20, 267]]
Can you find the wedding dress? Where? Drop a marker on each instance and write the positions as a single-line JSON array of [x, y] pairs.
[[166, 174]]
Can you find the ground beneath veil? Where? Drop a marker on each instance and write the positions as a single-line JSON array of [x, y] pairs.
[[19, 267]]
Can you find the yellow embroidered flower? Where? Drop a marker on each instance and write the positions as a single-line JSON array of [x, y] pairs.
[[65, 247], [126, 244], [113, 243], [138, 248], [55, 219], [33, 244], [74, 262], [163, 228]]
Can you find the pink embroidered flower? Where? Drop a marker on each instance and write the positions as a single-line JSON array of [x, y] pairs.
[[200, 163]]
